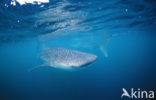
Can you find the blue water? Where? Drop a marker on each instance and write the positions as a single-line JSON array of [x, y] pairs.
[[80, 25]]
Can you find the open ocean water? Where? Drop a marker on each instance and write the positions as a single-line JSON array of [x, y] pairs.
[[127, 26]]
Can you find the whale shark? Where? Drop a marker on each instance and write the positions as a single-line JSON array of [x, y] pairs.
[[63, 58]]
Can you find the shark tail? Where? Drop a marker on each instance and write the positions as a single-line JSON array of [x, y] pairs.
[[104, 44]]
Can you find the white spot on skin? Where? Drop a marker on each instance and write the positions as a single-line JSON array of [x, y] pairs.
[[18, 21]]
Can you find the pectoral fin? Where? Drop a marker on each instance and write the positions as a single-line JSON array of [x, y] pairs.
[[35, 67]]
